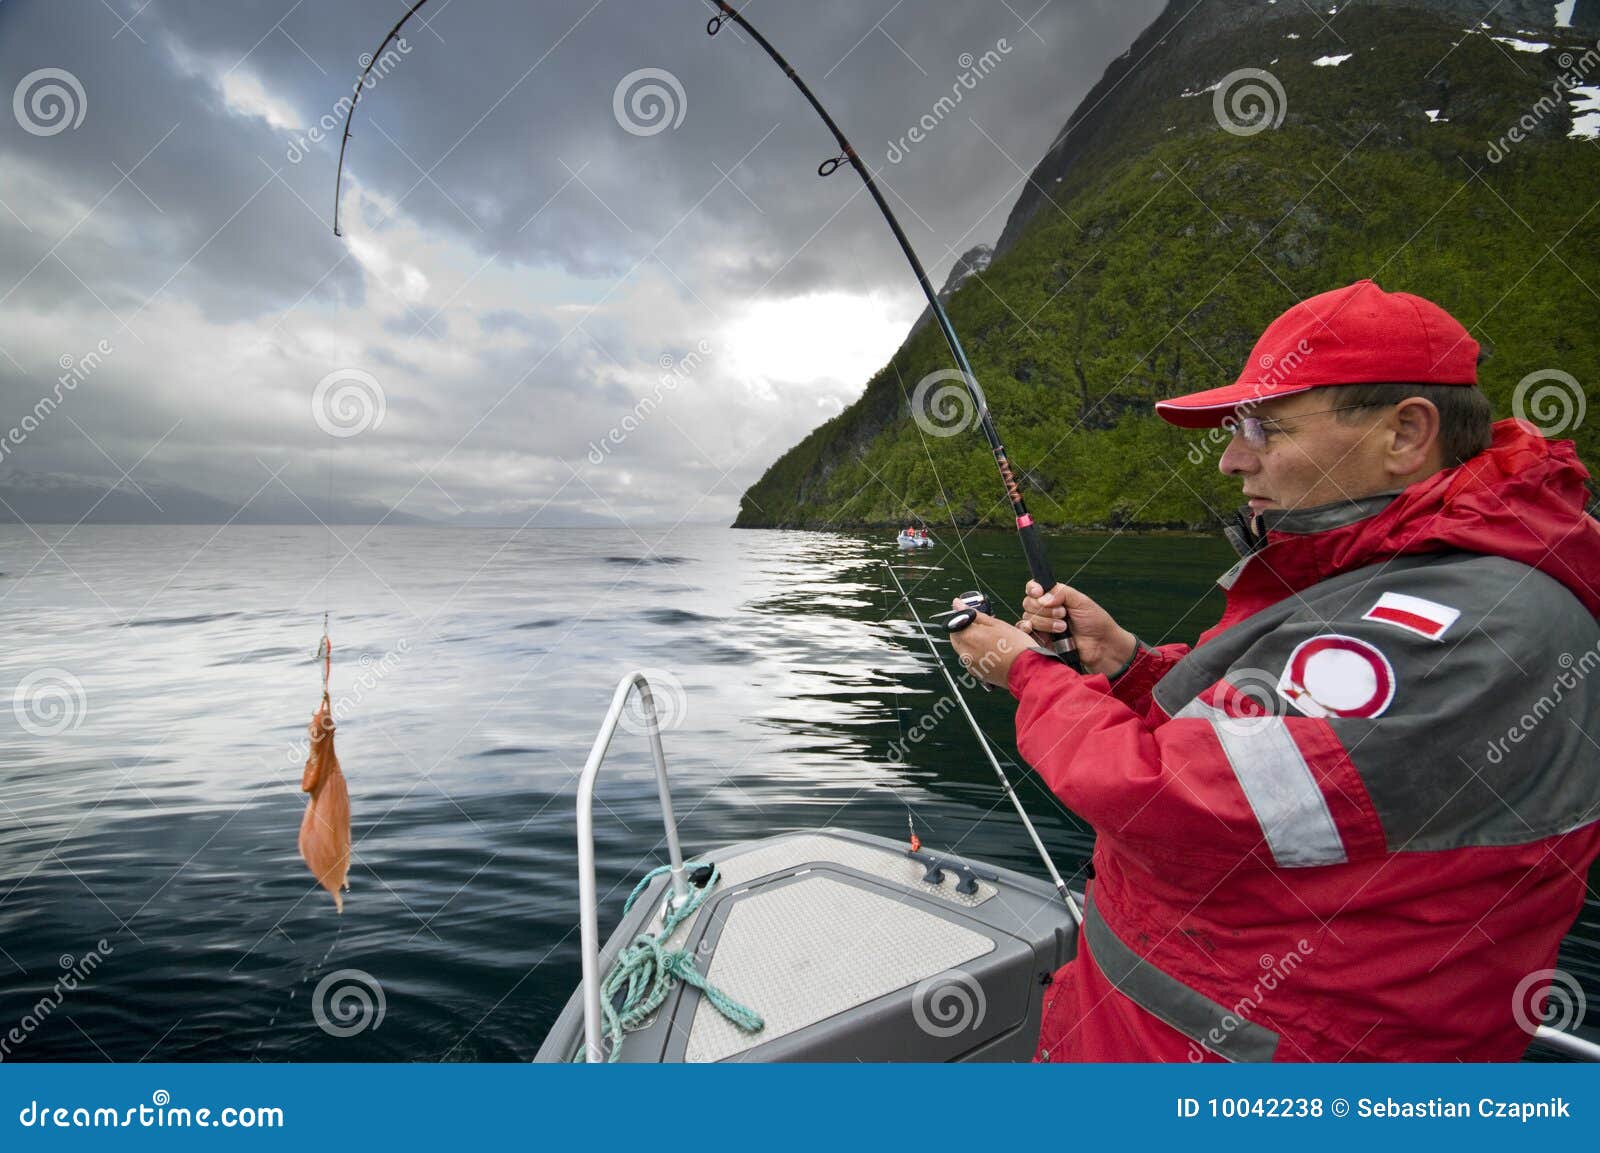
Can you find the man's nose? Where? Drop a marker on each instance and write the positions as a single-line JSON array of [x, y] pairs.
[[1238, 459]]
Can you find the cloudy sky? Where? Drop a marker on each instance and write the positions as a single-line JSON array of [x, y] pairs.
[[531, 243]]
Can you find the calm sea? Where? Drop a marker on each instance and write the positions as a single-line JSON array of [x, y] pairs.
[[162, 677]]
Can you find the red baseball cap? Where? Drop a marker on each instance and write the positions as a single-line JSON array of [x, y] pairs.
[[1355, 335]]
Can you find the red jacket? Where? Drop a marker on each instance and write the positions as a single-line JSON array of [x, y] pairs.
[[1354, 822]]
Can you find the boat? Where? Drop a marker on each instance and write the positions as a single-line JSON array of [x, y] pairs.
[[846, 945], [822, 944], [904, 540]]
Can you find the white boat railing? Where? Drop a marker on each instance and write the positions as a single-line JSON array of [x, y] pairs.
[[1572, 1045], [588, 903]]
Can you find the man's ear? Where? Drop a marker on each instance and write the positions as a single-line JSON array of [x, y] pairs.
[[1414, 441]]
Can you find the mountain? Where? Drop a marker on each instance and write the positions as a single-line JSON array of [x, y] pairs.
[[1240, 156], [50, 498]]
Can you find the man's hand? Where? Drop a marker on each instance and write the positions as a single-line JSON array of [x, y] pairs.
[[988, 647], [1103, 645]]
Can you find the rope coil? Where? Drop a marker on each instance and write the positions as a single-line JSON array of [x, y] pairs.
[[646, 970]]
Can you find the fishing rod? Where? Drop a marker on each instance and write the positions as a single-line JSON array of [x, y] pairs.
[[976, 601], [1032, 542], [355, 98]]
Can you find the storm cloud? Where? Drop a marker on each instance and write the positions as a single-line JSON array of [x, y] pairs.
[[589, 270]]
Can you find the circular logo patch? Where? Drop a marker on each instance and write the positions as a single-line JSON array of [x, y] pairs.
[[1338, 676]]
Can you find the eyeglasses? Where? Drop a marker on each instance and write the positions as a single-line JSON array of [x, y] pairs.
[[1256, 430]]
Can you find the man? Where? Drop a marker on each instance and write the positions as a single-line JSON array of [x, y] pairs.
[[1355, 820]]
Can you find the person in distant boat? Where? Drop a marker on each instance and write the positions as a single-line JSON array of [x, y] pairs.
[[1354, 821]]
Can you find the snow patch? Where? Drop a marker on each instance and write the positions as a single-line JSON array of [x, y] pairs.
[[1331, 61], [1564, 13], [1434, 117], [1184, 95], [1522, 45], [1585, 113], [1292, 36]]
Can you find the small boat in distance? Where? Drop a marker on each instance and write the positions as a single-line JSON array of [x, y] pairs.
[[914, 538]]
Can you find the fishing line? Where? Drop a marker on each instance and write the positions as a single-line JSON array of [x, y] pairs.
[[988, 751], [305, 975]]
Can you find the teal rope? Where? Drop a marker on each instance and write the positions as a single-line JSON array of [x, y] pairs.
[[645, 971]]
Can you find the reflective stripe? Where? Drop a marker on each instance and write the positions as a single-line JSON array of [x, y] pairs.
[[1197, 1017], [1279, 785]]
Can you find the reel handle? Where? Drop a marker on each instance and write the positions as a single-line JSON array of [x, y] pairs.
[[976, 603]]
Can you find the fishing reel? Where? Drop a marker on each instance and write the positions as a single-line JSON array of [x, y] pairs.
[[958, 619]]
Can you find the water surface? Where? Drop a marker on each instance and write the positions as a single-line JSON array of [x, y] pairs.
[[153, 800]]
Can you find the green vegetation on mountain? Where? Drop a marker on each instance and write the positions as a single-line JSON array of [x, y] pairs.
[[1152, 247]]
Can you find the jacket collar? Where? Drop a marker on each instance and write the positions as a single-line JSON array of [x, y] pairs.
[[1250, 532]]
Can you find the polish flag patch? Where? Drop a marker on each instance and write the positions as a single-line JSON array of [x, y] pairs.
[[1414, 614]]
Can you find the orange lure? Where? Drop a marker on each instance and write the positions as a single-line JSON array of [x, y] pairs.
[[325, 830]]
